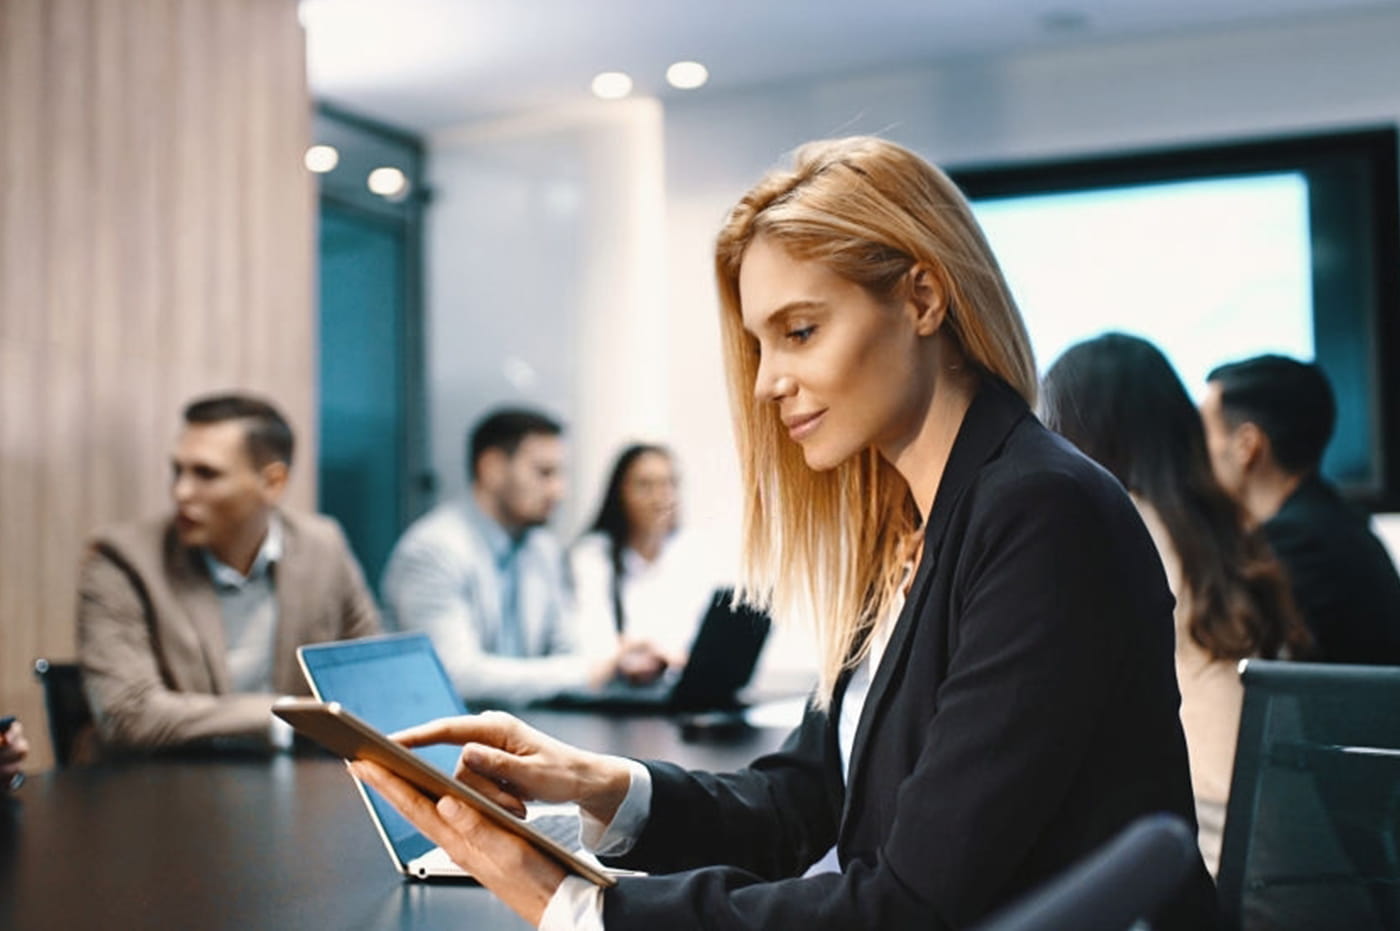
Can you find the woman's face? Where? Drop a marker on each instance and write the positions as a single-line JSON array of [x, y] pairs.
[[649, 494], [845, 370]]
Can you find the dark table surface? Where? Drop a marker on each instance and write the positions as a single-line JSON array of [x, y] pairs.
[[281, 842]]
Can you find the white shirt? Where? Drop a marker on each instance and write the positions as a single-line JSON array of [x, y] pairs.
[[662, 600], [248, 605], [452, 574], [577, 905]]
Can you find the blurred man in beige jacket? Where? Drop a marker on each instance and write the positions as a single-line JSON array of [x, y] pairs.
[[188, 623]]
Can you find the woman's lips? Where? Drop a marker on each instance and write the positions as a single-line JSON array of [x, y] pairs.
[[802, 425]]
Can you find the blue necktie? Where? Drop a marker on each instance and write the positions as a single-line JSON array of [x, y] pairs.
[[512, 639]]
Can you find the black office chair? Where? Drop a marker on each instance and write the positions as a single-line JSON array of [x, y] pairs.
[[71, 728], [1122, 882], [1312, 830]]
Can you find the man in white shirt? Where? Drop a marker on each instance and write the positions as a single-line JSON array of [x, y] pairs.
[[485, 579], [188, 623]]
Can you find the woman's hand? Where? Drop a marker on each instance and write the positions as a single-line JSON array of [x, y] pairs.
[[507, 864], [511, 763]]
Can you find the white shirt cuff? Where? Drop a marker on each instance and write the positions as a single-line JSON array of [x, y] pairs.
[[280, 733], [577, 905], [617, 837]]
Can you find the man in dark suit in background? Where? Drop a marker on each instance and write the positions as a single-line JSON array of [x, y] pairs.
[[1268, 420], [188, 623]]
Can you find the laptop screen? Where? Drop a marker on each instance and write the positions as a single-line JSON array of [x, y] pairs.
[[390, 682]]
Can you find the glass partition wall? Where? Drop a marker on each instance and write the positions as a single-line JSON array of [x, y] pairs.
[[371, 472]]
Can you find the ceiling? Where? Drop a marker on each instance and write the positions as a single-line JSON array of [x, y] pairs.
[[424, 65]]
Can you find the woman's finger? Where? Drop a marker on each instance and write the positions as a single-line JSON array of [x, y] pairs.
[[499, 791], [414, 805], [493, 727], [510, 772], [417, 807], [521, 875]]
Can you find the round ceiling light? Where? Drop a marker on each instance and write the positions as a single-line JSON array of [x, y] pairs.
[[687, 75], [388, 182], [612, 85], [321, 158]]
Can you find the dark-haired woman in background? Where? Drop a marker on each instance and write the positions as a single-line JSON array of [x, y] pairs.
[[1118, 399], [629, 580]]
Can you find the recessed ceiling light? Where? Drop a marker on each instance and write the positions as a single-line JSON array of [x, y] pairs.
[[321, 158], [388, 182], [612, 85], [687, 75]]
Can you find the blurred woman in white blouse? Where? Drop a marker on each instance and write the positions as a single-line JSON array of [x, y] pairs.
[[630, 574]]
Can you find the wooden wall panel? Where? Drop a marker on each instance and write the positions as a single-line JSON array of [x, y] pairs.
[[156, 242]]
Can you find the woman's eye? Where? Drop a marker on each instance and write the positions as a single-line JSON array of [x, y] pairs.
[[801, 334]]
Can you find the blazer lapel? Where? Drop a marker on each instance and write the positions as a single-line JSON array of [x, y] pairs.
[[994, 411], [892, 659], [192, 587], [291, 583]]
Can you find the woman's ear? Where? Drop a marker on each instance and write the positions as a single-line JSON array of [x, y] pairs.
[[927, 301]]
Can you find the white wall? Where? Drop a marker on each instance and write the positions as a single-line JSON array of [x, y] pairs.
[[545, 286], [589, 312]]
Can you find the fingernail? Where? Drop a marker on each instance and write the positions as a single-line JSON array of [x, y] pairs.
[[449, 807]]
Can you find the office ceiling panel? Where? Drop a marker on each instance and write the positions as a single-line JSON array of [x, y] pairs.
[[428, 64]]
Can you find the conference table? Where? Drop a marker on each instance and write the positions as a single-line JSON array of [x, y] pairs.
[[260, 842]]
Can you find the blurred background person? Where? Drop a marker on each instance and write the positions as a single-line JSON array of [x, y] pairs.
[[1268, 420], [631, 576], [484, 577], [1119, 400], [13, 749], [188, 623]]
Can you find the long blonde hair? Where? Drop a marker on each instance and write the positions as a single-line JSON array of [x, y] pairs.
[[831, 546]]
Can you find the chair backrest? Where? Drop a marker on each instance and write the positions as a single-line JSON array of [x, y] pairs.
[[70, 718], [1312, 829], [1123, 881]]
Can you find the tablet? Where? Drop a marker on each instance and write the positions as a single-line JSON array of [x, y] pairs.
[[347, 736]]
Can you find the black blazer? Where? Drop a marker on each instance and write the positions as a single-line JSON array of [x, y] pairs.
[[1343, 578], [1025, 710]]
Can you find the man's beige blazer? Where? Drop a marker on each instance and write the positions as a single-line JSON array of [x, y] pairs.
[[151, 637]]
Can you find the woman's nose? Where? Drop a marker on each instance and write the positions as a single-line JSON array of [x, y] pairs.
[[770, 385]]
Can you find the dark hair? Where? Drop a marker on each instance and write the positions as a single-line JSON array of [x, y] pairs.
[[1290, 401], [504, 429], [612, 518], [268, 436], [1118, 399]]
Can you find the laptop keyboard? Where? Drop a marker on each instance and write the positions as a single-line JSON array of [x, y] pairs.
[[560, 823]]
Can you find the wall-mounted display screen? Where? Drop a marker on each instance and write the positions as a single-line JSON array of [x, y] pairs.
[[1216, 254]]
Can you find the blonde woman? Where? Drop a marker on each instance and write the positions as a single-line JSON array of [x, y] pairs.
[[997, 696]]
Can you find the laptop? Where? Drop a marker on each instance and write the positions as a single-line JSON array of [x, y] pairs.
[[722, 659], [393, 682]]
